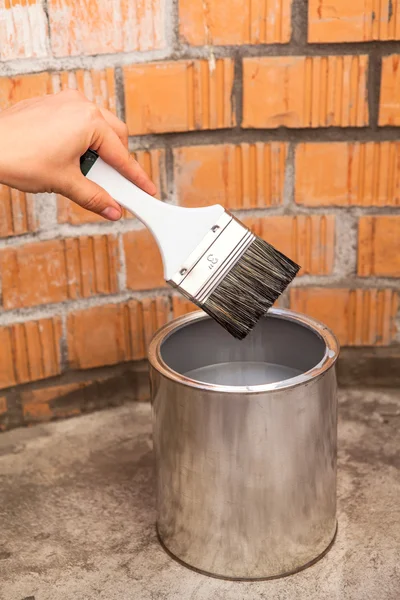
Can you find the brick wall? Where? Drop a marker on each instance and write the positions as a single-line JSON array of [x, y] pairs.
[[285, 112]]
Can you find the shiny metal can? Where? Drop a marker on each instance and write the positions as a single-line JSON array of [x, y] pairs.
[[245, 475]]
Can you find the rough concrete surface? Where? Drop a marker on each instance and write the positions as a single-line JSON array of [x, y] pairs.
[[77, 513]]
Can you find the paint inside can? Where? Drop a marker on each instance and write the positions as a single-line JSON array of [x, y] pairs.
[[242, 373]]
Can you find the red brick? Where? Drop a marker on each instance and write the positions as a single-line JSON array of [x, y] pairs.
[[58, 270], [17, 212], [7, 365], [379, 246], [153, 162], [357, 317], [308, 240], [181, 95], [37, 404], [106, 335], [356, 21], [97, 85], [144, 269], [234, 22], [3, 405], [98, 336], [29, 351], [348, 174], [23, 87], [181, 306], [389, 105], [299, 91], [105, 27], [236, 176], [145, 318], [23, 29], [37, 412]]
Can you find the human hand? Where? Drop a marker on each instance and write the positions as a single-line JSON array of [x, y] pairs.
[[42, 140]]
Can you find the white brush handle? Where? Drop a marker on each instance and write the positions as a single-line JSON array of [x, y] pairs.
[[177, 231]]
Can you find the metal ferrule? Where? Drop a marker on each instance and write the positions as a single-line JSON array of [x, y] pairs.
[[207, 266]]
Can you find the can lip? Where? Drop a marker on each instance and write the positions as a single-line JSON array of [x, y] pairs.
[[330, 357]]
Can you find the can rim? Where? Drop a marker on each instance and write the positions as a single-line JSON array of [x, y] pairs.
[[332, 349]]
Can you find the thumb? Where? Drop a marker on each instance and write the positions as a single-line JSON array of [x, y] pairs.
[[91, 196]]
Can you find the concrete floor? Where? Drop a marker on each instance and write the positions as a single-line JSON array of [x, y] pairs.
[[77, 514]]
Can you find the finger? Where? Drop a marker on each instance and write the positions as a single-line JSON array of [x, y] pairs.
[[107, 144], [91, 196], [117, 125]]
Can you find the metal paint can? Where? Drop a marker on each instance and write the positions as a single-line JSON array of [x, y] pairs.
[[245, 476]]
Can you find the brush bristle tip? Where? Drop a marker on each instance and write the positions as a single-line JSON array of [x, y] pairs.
[[250, 288]]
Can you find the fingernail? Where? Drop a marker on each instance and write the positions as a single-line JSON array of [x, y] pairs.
[[111, 213]]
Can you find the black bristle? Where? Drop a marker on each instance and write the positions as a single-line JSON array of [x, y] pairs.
[[250, 288]]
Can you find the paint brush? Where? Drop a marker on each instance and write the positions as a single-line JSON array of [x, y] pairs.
[[208, 255]]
